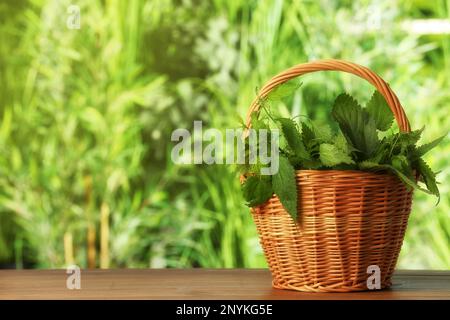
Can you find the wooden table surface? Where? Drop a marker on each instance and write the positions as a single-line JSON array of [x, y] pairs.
[[200, 284]]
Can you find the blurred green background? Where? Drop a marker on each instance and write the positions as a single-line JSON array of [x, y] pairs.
[[87, 114]]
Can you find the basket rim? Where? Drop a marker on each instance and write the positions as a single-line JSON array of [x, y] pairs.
[[349, 171], [343, 173], [348, 174]]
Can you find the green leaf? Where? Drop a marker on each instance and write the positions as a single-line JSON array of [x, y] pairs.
[[368, 164], [421, 150], [283, 90], [379, 110], [383, 151], [411, 137], [257, 123], [408, 181], [341, 143], [429, 177], [400, 162], [257, 190], [308, 137], [331, 155], [356, 125], [293, 138], [285, 186], [322, 131], [403, 141], [312, 164]]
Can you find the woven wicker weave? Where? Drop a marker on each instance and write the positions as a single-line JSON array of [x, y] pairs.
[[348, 220]]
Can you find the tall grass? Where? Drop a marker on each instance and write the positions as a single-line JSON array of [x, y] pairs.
[[86, 118]]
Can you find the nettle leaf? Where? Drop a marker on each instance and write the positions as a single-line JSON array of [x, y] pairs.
[[379, 110], [341, 143], [412, 137], [322, 131], [429, 177], [407, 180], [331, 155], [257, 123], [257, 190], [293, 138], [410, 183], [356, 125], [400, 162], [285, 186], [423, 149], [368, 165], [382, 152], [283, 90], [403, 141], [309, 137], [355, 146]]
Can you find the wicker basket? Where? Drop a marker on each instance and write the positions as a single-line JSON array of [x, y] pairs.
[[348, 220]]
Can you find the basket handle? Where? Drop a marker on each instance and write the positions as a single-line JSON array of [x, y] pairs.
[[335, 65]]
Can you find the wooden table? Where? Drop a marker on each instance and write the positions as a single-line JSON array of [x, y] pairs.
[[200, 284]]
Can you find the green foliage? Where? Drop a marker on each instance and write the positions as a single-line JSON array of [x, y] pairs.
[[293, 137], [428, 176], [257, 190], [357, 125], [341, 144], [322, 132], [285, 186], [396, 153], [331, 155], [309, 138], [423, 149], [282, 91], [379, 110]]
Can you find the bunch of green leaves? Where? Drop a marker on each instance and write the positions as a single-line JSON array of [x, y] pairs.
[[395, 152], [365, 141]]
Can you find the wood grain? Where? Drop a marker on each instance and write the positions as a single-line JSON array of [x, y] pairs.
[[200, 284]]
